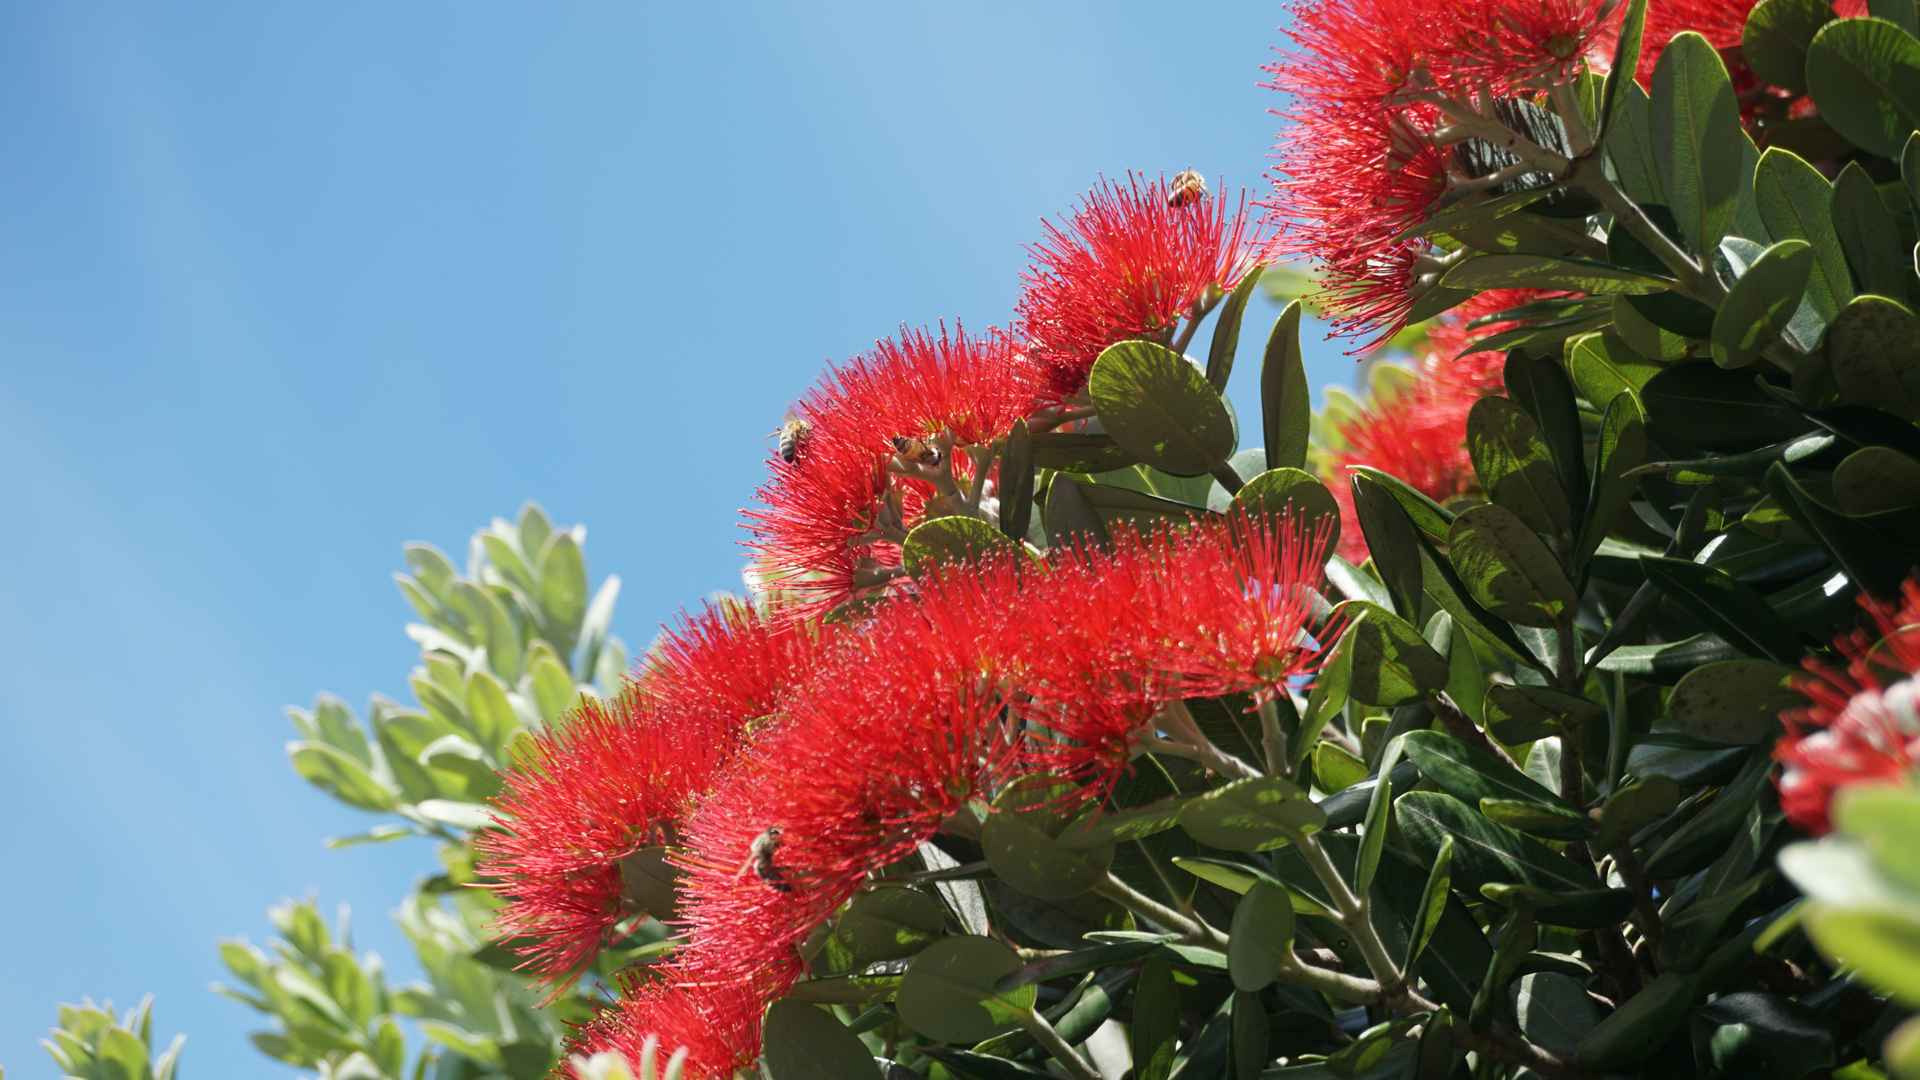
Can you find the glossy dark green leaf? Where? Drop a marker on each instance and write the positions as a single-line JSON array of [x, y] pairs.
[[1078, 451], [1293, 495], [650, 883], [1870, 235], [1160, 408], [949, 991], [1154, 1034], [1016, 482], [1261, 939], [1021, 840], [1226, 330], [1697, 139], [1637, 1030], [951, 540], [1870, 557], [886, 923], [1335, 768], [1068, 514], [1508, 569], [1734, 611], [1515, 467], [1373, 834], [1704, 835], [1761, 303], [1794, 201], [1537, 819], [1626, 61], [1554, 1011], [1701, 406], [1602, 365], [1540, 385], [1513, 271], [1286, 408], [1257, 814], [1764, 1036], [1864, 74], [1430, 518], [1470, 773], [1733, 701], [1629, 145], [1389, 662], [1250, 1036], [1433, 902], [1484, 852], [806, 1042], [1519, 714], [1392, 542], [1875, 479], [1776, 38], [1873, 352], [1640, 803]]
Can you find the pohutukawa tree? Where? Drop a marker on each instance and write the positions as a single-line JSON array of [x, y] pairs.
[[1552, 713]]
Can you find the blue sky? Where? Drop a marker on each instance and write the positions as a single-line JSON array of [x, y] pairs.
[[284, 285]]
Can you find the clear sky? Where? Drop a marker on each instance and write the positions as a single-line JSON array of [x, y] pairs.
[[283, 285]]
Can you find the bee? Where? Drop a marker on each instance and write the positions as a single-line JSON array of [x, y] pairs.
[[916, 451], [1188, 187], [792, 436], [760, 862]]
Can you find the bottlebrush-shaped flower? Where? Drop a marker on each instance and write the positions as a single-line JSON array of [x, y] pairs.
[[1861, 724], [619, 776], [878, 456], [891, 735], [716, 1023], [1131, 262], [1420, 434]]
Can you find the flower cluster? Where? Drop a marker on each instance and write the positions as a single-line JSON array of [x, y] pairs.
[[1131, 262], [1861, 724], [905, 431], [1419, 434], [865, 744]]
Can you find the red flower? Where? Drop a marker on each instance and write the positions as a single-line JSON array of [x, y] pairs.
[[879, 454], [715, 1023], [618, 777], [1522, 45], [1130, 263], [1861, 724], [891, 735]]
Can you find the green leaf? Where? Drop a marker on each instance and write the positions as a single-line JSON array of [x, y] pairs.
[[1733, 701], [1286, 408], [1226, 330], [1334, 769], [806, 1042], [1704, 835], [1154, 1034], [1881, 945], [951, 540], [1470, 773], [1629, 145], [1507, 569], [1697, 139], [1256, 814], [1626, 60], [1537, 819], [1514, 271], [1295, 495], [1764, 1036], [1602, 365], [1373, 835], [1873, 351], [1261, 939], [1776, 38], [1701, 405], [1392, 542], [1870, 235], [1761, 303], [553, 689], [1554, 1011], [1515, 467], [1389, 662], [494, 720], [1875, 479], [1484, 852], [1864, 75], [949, 993], [1540, 386], [1519, 714], [563, 583], [1078, 451], [1160, 409], [650, 883], [1628, 809], [1638, 1029], [886, 923], [1884, 818], [1433, 903], [1020, 839], [1068, 514], [1869, 556], [1250, 1036], [1794, 198], [1429, 517], [1016, 483], [341, 776], [1734, 611]]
